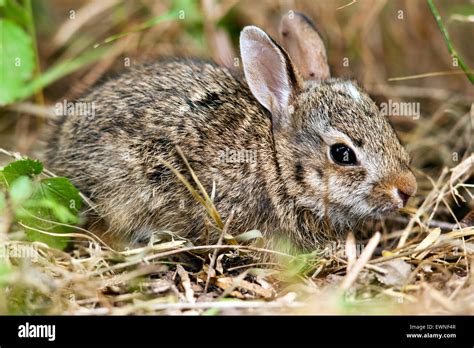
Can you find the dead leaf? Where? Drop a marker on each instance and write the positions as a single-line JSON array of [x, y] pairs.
[[229, 282], [160, 285], [264, 283], [219, 267], [430, 239], [397, 274]]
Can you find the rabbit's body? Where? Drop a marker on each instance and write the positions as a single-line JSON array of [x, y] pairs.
[[226, 136], [271, 146]]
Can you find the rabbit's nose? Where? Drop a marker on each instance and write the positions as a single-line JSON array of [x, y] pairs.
[[403, 196], [406, 187]]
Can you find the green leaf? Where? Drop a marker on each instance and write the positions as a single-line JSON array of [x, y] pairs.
[[17, 61], [20, 190], [41, 205], [24, 167], [62, 191], [55, 200]]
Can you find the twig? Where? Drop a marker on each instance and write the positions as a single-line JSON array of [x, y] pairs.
[[198, 305], [236, 282], [361, 262], [448, 226], [46, 112], [422, 209], [404, 91], [441, 244], [14, 155], [350, 251], [431, 74], [214, 255], [186, 282], [344, 6], [209, 204], [190, 249], [253, 265], [367, 266]]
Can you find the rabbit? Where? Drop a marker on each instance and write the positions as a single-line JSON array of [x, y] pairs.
[[286, 148]]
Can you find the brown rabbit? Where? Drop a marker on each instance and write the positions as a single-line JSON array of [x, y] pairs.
[[300, 156]]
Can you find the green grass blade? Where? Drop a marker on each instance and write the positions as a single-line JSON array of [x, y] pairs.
[[449, 43]]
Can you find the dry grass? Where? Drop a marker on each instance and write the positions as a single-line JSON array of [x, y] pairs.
[[420, 261], [428, 272]]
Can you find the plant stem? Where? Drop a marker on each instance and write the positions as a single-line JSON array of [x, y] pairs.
[[448, 41], [32, 31]]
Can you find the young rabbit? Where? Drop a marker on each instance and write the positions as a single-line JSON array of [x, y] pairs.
[[291, 151]]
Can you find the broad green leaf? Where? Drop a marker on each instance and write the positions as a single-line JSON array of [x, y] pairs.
[[46, 208], [62, 191], [24, 167], [20, 190], [55, 200], [41, 205], [60, 212], [17, 61]]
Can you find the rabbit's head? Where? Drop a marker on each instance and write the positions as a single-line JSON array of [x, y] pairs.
[[338, 155]]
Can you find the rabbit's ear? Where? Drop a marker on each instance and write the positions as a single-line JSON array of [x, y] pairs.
[[299, 37], [269, 72]]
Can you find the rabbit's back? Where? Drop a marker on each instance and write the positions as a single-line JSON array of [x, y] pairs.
[[299, 155], [114, 153]]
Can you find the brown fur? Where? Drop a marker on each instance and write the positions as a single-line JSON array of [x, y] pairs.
[[292, 188]]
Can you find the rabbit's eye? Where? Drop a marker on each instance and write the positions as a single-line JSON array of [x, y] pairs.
[[343, 155]]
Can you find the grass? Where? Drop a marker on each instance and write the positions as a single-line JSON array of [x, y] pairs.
[[449, 43], [419, 261], [431, 272]]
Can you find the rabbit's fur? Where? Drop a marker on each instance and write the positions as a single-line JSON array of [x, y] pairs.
[[263, 143]]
